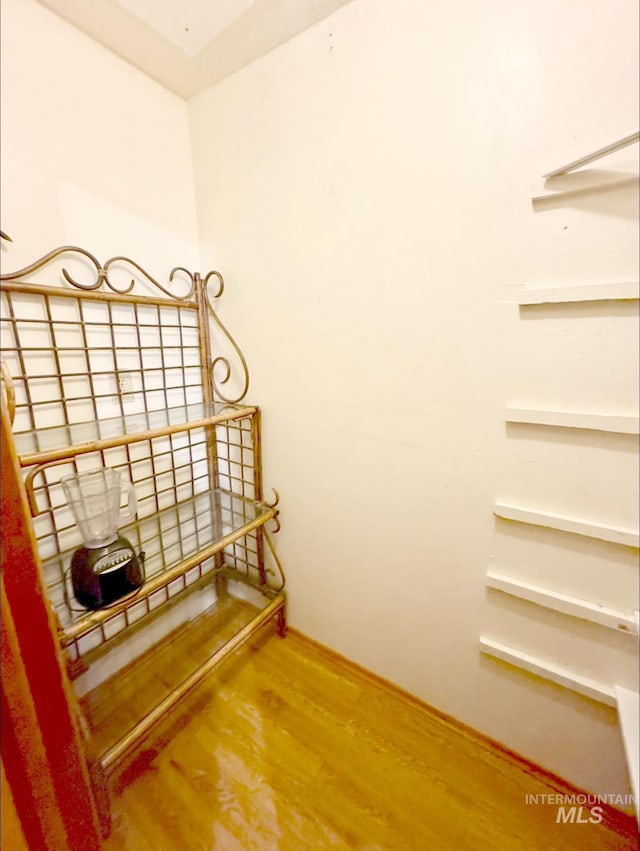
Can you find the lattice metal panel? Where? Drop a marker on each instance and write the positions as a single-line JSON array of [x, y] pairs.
[[236, 457], [244, 556], [74, 359]]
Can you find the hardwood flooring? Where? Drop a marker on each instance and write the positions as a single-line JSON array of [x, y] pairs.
[[292, 749]]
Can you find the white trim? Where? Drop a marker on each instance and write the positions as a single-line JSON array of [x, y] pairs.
[[549, 671], [624, 622], [612, 534], [627, 290], [618, 423], [595, 155], [629, 714]]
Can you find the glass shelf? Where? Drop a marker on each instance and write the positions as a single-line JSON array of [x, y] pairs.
[[46, 444], [123, 709], [177, 540]]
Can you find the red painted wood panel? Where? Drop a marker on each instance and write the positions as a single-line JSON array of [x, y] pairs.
[[42, 750]]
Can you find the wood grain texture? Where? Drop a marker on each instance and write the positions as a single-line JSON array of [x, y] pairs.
[[288, 747]]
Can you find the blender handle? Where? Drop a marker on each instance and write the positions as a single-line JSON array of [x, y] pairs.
[[128, 512]]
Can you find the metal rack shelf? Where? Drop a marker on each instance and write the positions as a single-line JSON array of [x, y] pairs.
[[95, 375]]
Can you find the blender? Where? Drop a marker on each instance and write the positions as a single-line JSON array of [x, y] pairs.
[[106, 567]]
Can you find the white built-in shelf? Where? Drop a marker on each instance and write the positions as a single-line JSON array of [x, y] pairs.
[[618, 423], [625, 622], [629, 714], [625, 291], [562, 189], [623, 699], [598, 154], [557, 673], [574, 525]]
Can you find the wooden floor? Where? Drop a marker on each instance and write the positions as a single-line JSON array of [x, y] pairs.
[[290, 748]]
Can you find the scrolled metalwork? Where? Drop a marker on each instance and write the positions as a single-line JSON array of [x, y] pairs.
[[277, 562], [120, 259], [52, 255], [102, 272], [220, 362], [274, 504], [272, 549]]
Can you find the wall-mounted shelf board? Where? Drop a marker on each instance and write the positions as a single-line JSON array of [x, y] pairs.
[[550, 671], [618, 145], [625, 622], [620, 424], [612, 534], [629, 714], [625, 291], [560, 190]]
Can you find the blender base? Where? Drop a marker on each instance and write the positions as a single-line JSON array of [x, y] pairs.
[[103, 575]]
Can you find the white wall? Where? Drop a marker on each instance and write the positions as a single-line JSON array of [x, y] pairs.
[[93, 152], [366, 191]]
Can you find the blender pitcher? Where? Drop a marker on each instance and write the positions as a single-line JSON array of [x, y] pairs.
[[106, 568], [95, 499]]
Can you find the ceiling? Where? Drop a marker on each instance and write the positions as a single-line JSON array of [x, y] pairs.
[[188, 45]]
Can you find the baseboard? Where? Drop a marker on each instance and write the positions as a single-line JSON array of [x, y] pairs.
[[619, 821]]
